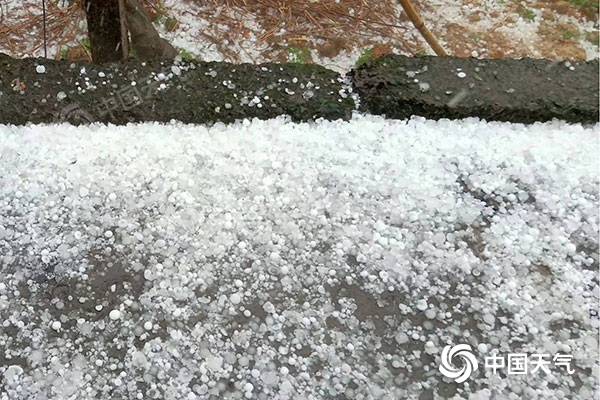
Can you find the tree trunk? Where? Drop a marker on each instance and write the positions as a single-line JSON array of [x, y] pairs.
[[104, 30]]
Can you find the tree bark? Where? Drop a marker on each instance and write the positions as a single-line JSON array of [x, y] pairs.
[[104, 30], [145, 41]]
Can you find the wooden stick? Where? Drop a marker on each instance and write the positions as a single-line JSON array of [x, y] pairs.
[[124, 34], [44, 18], [420, 25]]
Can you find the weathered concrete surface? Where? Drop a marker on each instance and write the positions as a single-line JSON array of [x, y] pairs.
[[524, 90], [191, 92]]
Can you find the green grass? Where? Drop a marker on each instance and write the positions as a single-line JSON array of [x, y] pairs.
[[298, 55], [593, 38], [585, 3], [566, 34], [160, 12], [422, 52], [365, 56], [477, 37], [85, 42], [526, 14], [170, 23], [186, 55]]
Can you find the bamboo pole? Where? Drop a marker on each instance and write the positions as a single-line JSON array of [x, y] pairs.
[[420, 25]]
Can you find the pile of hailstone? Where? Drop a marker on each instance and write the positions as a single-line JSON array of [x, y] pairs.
[[272, 260]]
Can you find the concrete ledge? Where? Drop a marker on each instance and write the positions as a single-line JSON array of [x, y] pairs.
[[191, 92], [524, 90]]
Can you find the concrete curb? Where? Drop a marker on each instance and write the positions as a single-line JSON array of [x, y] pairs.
[[191, 92], [524, 90]]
